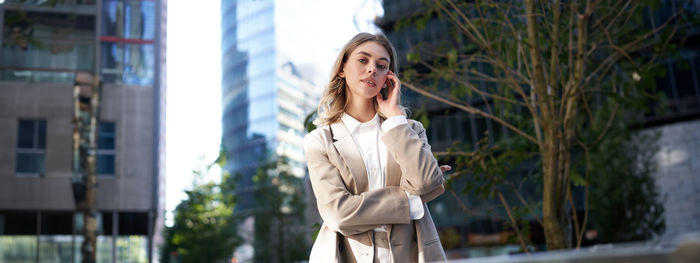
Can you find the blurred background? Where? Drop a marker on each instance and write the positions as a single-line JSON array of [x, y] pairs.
[[172, 131]]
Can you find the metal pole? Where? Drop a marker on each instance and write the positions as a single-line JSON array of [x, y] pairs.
[[115, 229], [2, 25], [72, 240], [38, 234], [149, 240]]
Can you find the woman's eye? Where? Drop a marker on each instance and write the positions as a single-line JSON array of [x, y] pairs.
[[363, 60], [381, 66]]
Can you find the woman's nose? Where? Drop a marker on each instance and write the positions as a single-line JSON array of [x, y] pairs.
[[372, 69]]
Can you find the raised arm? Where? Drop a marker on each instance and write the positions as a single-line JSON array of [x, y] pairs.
[[341, 210]]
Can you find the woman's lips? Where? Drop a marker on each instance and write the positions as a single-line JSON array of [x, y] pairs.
[[370, 82]]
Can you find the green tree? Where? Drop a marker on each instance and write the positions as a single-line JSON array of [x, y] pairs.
[[624, 202], [554, 74], [280, 232], [205, 226]]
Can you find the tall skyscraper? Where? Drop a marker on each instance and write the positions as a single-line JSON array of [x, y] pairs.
[[265, 99], [46, 46]]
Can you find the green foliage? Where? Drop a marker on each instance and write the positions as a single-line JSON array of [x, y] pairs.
[[421, 115], [204, 228], [280, 232], [486, 65], [625, 204], [309, 121]]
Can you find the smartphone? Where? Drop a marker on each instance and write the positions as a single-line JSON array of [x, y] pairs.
[[385, 90]]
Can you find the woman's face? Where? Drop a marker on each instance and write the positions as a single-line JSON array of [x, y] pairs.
[[365, 70]]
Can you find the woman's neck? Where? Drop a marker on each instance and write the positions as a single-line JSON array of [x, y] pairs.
[[361, 110]]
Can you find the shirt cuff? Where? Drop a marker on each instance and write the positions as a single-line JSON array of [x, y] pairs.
[[415, 206], [392, 122]]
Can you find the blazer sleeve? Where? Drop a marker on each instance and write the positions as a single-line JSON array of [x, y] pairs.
[[341, 210], [420, 173], [430, 196]]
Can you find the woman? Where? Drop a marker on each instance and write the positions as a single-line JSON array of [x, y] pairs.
[[371, 169]]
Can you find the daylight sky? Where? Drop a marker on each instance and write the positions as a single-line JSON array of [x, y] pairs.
[[313, 32]]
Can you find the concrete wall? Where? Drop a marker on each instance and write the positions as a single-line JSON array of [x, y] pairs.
[[678, 176], [130, 107]]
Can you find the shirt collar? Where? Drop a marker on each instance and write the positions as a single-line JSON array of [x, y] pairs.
[[352, 124]]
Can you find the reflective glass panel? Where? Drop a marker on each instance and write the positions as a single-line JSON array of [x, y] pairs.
[[262, 107], [17, 249], [132, 249], [106, 136], [104, 249], [48, 3], [38, 41], [140, 19], [25, 134], [41, 134], [55, 248], [139, 64], [105, 164], [112, 18], [112, 62], [31, 163], [266, 128]]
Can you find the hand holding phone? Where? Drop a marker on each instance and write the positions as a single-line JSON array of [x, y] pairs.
[[389, 103], [385, 90]]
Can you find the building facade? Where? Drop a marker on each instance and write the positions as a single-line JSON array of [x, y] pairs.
[[265, 100], [45, 45]]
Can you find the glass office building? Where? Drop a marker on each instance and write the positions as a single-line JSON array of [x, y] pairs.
[[264, 102], [264, 98], [248, 98]]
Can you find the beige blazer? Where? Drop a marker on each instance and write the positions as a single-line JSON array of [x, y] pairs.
[[350, 212]]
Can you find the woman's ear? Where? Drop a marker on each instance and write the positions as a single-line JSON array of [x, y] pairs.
[[341, 74]]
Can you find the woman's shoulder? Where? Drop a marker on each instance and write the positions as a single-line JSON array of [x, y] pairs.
[[318, 135]]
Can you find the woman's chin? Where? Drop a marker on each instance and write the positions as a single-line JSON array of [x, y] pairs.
[[373, 93], [372, 96]]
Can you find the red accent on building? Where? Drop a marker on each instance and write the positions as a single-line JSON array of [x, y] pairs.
[[126, 40]]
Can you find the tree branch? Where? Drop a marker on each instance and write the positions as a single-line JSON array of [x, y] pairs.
[[554, 54], [456, 21], [522, 200], [471, 87], [586, 192], [467, 20], [470, 109], [513, 222], [607, 125]]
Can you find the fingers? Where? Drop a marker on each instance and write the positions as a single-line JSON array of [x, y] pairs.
[[445, 168], [394, 90], [394, 78], [379, 98]]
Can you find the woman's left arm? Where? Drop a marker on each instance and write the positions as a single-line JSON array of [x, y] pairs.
[[420, 173]]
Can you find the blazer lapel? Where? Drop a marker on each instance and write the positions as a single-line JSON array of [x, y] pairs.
[[351, 155]]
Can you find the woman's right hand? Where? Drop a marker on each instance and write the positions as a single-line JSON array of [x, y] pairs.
[[445, 168], [390, 107]]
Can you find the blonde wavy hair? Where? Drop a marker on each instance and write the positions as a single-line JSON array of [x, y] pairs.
[[335, 99]]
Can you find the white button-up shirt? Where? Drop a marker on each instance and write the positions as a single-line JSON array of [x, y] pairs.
[[373, 151]]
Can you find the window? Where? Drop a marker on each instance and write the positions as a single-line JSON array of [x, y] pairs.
[[31, 147], [106, 141], [128, 33]]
